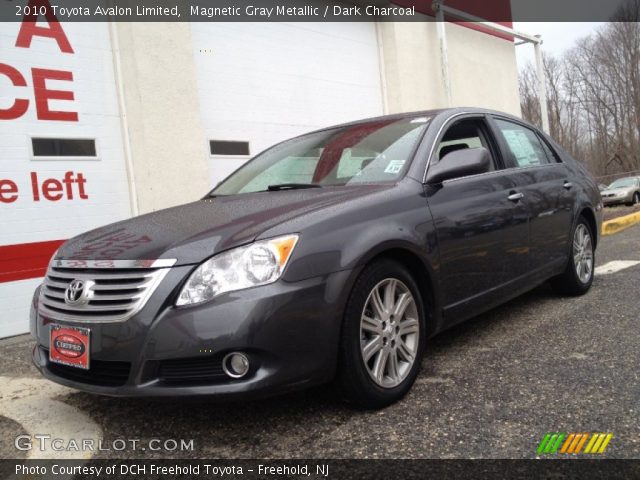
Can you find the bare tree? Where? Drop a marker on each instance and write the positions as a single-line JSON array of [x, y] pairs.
[[562, 103], [594, 95]]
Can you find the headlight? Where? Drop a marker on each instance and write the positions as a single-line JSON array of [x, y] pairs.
[[621, 194], [257, 264]]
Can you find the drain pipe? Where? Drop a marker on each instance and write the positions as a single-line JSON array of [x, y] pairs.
[[440, 10], [438, 7], [124, 123], [542, 85]]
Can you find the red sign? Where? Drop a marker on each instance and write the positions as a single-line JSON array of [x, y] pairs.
[[69, 346]]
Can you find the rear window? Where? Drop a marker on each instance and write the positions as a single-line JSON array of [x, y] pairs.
[[524, 145]]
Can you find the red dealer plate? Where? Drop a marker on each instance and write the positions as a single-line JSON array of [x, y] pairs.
[[69, 346]]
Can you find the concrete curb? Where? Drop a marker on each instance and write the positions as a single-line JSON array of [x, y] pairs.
[[616, 225]]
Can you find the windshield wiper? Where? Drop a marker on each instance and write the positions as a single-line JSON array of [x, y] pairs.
[[292, 186]]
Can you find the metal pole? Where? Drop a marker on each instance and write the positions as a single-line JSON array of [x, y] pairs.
[[542, 87], [495, 27], [383, 71], [441, 9], [124, 122], [444, 58]]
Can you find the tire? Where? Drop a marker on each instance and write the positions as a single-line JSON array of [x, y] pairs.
[[394, 357], [636, 199], [578, 275]]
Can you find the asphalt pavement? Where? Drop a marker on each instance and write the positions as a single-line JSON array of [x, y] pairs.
[[490, 388]]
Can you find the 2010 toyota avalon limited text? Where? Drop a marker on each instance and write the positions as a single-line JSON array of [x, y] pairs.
[[332, 256]]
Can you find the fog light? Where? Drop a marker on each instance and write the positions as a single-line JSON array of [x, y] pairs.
[[235, 364]]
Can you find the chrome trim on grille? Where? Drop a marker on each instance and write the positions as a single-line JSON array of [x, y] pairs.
[[159, 263], [115, 293]]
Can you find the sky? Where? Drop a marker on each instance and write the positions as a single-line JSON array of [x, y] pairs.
[[557, 37]]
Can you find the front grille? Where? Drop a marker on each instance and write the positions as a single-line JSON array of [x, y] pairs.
[[192, 371], [102, 373], [112, 294]]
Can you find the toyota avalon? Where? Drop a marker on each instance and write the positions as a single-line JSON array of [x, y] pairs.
[[333, 256]]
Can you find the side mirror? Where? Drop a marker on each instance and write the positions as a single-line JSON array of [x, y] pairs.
[[460, 163]]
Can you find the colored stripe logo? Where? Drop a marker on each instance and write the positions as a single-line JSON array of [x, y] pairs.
[[573, 443]]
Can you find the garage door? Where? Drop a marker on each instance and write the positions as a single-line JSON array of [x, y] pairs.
[[259, 83], [62, 167]]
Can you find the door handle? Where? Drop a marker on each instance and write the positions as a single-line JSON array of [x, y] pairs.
[[567, 185], [516, 196]]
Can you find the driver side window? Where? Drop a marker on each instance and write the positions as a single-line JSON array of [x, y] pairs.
[[463, 134]]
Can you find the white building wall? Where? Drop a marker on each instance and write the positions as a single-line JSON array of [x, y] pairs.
[[95, 101], [482, 68], [265, 82], [162, 113], [26, 220]]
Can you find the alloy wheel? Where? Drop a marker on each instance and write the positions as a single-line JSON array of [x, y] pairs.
[[389, 333], [583, 253]]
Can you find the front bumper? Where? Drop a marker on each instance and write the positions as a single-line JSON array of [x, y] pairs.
[[608, 201], [289, 331]]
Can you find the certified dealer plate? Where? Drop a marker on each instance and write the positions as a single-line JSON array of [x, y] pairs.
[[69, 346]]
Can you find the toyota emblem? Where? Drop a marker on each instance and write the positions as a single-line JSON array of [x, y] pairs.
[[77, 293]]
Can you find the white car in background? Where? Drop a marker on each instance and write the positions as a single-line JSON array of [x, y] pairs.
[[624, 190]]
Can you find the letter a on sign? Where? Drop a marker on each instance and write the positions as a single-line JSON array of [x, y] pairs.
[[30, 29]]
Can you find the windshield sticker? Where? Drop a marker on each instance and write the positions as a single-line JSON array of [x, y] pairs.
[[394, 166]]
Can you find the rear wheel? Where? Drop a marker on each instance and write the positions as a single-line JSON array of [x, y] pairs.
[[578, 276], [382, 340]]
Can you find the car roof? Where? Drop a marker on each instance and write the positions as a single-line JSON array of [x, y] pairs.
[[430, 113], [626, 178]]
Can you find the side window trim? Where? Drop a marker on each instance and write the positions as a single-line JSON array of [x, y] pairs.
[[556, 158], [432, 145], [486, 134], [503, 149], [494, 149]]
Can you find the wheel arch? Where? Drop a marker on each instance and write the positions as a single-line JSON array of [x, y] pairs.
[[590, 217], [421, 272]]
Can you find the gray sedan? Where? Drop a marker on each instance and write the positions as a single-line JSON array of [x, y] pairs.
[[623, 190], [335, 255]]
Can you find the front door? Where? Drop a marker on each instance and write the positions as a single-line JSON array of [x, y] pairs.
[[481, 224]]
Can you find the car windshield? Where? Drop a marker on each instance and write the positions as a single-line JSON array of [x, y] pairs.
[[371, 152], [623, 182]]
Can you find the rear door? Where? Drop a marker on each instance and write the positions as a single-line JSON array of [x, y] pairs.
[[482, 230], [548, 193]]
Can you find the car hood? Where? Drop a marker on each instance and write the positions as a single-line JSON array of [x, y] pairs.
[[616, 190], [192, 232]]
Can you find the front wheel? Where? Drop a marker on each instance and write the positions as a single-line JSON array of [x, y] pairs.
[[636, 199], [578, 275], [382, 340]]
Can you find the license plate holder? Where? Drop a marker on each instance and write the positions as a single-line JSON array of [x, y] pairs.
[[70, 346]]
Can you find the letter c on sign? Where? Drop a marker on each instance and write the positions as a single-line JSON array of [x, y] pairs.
[[20, 105]]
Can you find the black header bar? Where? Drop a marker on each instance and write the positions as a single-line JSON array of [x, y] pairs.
[[503, 11]]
